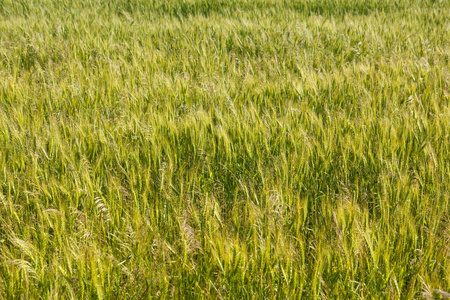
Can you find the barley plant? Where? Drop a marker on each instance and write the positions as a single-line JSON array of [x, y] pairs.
[[224, 149]]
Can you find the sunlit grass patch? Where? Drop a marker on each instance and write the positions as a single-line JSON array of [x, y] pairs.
[[224, 149]]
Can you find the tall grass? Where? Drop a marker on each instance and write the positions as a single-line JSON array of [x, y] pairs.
[[224, 149]]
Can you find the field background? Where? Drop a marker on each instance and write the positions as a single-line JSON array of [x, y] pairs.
[[224, 149]]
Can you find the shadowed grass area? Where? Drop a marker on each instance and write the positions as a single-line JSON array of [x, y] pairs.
[[239, 149]]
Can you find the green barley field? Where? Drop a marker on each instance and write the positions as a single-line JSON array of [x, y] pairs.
[[224, 149]]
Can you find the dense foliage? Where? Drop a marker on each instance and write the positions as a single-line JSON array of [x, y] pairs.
[[240, 149]]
